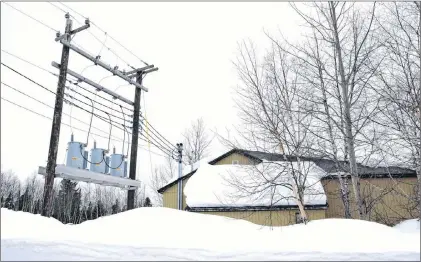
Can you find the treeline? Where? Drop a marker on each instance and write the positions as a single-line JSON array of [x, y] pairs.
[[73, 202]]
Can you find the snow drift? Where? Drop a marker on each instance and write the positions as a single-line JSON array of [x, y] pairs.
[[409, 226], [139, 233]]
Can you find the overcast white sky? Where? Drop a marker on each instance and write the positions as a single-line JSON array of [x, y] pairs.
[[193, 44]]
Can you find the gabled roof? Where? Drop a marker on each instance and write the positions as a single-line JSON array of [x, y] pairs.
[[162, 189], [326, 164]]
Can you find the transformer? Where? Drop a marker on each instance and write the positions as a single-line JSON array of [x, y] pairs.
[[97, 162], [117, 165], [74, 155]]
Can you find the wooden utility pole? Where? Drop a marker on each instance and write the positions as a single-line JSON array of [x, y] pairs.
[[135, 139], [55, 129]]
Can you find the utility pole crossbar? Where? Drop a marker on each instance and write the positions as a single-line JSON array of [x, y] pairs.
[[92, 83], [97, 61], [133, 72]]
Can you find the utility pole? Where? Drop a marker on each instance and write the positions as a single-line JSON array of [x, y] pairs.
[[55, 129], [180, 174], [135, 139]]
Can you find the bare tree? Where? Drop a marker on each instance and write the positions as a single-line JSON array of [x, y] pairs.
[[160, 177], [273, 112], [348, 30], [196, 141], [10, 184], [315, 97], [400, 91]]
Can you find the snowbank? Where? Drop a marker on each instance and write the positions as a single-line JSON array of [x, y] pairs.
[[162, 233], [409, 226], [223, 185]]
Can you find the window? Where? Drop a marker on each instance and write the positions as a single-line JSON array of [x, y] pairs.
[[235, 162]]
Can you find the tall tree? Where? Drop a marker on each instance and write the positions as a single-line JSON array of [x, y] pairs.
[[160, 177], [400, 92], [196, 141]]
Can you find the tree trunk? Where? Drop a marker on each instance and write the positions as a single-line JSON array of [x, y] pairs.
[[419, 113], [344, 186], [347, 115]]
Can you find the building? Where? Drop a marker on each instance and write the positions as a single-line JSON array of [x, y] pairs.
[[386, 192]]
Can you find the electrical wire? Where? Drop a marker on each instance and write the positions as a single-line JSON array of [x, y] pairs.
[[44, 116], [125, 48], [147, 132], [99, 40], [57, 7], [45, 104], [75, 83], [40, 22], [89, 91], [161, 138], [47, 89], [82, 95], [155, 143], [79, 129]]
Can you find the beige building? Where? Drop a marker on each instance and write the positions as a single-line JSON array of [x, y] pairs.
[[387, 193]]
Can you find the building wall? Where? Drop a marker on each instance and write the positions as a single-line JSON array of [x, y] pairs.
[[387, 198], [270, 218], [170, 196], [242, 160]]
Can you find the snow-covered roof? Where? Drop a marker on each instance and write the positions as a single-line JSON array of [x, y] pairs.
[[246, 185], [331, 168]]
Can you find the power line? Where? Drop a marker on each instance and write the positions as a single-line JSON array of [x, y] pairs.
[[87, 90], [73, 90], [57, 7], [39, 114], [158, 135], [96, 115], [44, 116], [28, 78], [45, 104], [156, 143], [71, 82], [102, 42], [108, 35], [49, 27], [26, 61]]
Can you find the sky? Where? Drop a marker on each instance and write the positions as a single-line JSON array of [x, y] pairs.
[[193, 45]]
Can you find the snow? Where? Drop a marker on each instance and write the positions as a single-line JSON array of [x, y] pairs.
[[190, 168], [218, 185], [168, 234], [409, 226]]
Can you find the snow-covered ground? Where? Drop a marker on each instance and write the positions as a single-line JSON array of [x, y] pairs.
[[411, 226], [166, 234]]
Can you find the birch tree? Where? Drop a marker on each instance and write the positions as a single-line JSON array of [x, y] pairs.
[[314, 96], [347, 30], [272, 111]]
